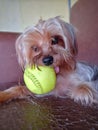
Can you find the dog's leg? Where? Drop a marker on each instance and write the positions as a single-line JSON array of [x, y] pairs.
[[84, 93], [13, 93]]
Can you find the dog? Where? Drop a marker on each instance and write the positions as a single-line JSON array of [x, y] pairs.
[[52, 42]]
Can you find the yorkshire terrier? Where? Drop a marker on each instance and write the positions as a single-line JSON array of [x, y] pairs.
[[53, 43]]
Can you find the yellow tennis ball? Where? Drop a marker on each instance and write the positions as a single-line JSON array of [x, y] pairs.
[[40, 80]]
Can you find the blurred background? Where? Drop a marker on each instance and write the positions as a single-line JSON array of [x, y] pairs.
[[15, 15]]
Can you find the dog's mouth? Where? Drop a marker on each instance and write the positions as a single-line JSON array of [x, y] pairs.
[[48, 61]]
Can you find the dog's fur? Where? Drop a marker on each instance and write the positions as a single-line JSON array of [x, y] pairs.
[[53, 43]]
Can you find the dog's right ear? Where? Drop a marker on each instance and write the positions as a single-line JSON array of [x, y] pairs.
[[19, 51]]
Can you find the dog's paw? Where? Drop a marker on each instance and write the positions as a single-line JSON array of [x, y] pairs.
[[84, 94]]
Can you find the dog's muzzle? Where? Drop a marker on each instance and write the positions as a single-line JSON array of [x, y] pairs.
[[48, 60]]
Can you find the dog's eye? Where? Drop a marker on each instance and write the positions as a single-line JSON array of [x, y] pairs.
[[57, 40], [34, 48], [54, 40]]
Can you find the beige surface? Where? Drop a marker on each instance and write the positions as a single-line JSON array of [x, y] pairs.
[[15, 15]]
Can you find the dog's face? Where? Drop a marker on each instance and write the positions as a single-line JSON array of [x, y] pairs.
[[50, 43]]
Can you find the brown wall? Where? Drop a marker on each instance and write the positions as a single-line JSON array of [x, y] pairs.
[[84, 16]]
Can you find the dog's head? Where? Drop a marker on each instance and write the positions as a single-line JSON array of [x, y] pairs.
[[51, 43]]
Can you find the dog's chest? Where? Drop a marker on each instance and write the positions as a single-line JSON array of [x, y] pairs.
[[64, 81]]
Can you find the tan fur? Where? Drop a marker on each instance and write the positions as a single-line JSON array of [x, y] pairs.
[[55, 38]]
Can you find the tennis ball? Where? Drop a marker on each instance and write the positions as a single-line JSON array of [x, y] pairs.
[[40, 80]]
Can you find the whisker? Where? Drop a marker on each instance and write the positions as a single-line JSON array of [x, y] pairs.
[[36, 63]]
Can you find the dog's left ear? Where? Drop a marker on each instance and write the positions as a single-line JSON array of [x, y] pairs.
[[69, 31]]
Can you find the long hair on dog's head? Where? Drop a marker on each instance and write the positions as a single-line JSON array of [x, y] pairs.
[[52, 38]]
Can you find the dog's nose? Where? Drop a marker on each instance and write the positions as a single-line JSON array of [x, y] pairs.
[[48, 60]]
